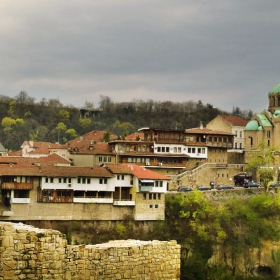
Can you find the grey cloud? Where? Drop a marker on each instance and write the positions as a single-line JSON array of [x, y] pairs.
[[221, 52]]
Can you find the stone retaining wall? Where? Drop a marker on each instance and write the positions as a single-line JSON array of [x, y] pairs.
[[31, 253]]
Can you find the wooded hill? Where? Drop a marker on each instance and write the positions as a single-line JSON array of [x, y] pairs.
[[49, 120]]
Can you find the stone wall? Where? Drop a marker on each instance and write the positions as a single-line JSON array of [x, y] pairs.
[[31, 253]]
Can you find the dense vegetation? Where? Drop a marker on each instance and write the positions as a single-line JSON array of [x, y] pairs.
[[49, 120], [235, 226]]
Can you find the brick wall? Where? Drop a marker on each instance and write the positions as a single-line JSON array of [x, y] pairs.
[[31, 253]]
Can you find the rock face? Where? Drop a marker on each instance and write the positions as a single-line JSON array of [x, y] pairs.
[[31, 253]]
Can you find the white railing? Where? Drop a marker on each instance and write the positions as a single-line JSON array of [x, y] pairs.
[[124, 203], [92, 200], [20, 200]]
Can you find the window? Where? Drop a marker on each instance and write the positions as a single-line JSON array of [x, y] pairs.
[[154, 196], [103, 181], [240, 134], [163, 149], [60, 180], [161, 183], [203, 150], [109, 159], [175, 149], [88, 180], [156, 183], [199, 150], [179, 150], [193, 150], [268, 134], [51, 180], [69, 180], [138, 160], [129, 159], [159, 196], [104, 159], [144, 195], [151, 206], [150, 196], [156, 206], [64, 180], [46, 180], [167, 149], [100, 159], [189, 150]]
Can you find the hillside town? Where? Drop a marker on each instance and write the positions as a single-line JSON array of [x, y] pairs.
[[89, 179]]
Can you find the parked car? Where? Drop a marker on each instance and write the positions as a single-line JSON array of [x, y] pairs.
[[224, 187], [202, 188], [184, 189], [241, 178], [251, 184], [275, 185]]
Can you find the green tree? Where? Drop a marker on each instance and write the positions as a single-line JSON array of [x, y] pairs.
[[71, 132], [64, 114], [123, 129], [85, 123], [262, 163], [60, 128], [106, 136], [8, 123]]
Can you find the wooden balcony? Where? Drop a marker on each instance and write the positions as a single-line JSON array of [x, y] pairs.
[[16, 186]]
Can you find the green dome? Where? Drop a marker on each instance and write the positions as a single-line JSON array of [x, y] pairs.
[[276, 113], [252, 125], [276, 89]]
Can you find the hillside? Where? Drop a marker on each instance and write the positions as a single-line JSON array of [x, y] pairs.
[[22, 118]]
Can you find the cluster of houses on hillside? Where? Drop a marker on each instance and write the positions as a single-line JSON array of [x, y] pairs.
[[89, 179]]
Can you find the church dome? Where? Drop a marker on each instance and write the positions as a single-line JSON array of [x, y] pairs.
[[252, 125], [276, 89]]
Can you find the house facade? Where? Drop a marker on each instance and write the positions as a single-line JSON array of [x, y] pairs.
[[230, 124], [45, 190]]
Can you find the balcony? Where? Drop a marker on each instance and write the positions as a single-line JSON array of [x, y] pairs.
[[146, 189], [124, 203], [92, 200], [16, 186], [20, 200]]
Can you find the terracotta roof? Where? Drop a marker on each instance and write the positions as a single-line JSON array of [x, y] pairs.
[[16, 153], [119, 168], [19, 170], [236, 121], [88, 148], [75, 171], [28, 161], [90, 138], [136, 136], [144, 173]]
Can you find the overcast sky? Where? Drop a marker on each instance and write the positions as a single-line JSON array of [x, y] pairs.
[[222, 52]]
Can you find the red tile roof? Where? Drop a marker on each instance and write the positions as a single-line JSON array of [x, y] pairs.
[[88, 148], [236, 121], [136, 136], [75, 171], [144, 173]]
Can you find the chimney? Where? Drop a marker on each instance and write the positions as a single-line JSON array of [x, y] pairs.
[[201, 125]]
